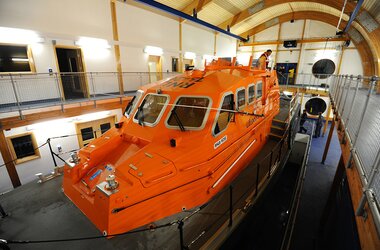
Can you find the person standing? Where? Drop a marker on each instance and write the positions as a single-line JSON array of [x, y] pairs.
[[302, 122], [263, 60], [318, 126]]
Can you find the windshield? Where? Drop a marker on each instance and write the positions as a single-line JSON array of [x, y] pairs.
[[190, 112], [133, 103], [151, 109]]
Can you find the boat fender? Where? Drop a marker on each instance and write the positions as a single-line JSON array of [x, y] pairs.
[[173, 143]]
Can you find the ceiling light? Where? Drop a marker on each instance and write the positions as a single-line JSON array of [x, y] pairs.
[[19, 36], [20, 60], [190, 55], [90, 42], [154, 51]]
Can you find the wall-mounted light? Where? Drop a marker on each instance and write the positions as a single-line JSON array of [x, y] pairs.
[[154, 51], [189, 55], [20, 60], [89, 42], [209, 58], [19, 36]]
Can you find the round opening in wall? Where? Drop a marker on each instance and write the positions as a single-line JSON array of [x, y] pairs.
[[323, 68], [315, 105]]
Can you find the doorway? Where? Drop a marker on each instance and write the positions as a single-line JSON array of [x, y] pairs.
[[188, 63], [155, 68], [73, 79], [175, 63], [286, 73]]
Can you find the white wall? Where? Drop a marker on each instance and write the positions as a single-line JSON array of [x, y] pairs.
[[225, 46], [43, 131], [77, 18]]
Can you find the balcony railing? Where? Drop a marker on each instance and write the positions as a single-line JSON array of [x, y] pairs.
[[358, 106], [20, 92]]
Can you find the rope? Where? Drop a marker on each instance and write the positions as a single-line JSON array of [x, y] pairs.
[[89, 237]]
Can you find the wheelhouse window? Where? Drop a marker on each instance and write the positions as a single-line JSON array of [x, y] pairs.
[[224, 116], [241, 98], [251, 93], [133, 103], [151, 109], [189, 112], [15, 58], [259, 89]]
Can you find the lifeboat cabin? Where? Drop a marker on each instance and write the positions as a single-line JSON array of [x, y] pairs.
[[180, 142]]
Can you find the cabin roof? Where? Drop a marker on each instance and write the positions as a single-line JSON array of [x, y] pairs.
[[215, 81]]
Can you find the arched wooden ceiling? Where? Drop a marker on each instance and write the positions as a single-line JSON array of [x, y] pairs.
[[362, 47], [245, 16]]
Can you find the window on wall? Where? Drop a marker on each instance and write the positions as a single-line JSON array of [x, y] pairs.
[[23, 147], [15, 58], [88, 131]]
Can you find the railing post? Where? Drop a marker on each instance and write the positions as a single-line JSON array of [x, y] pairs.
[[93, 88], [336, 97], [270, 163], [353, 149], [339, 102], [348, 91], [257, 178], [51, 152], [374, 171], [180, 227], [359, 79], [16, 96], [231, 207], [279, 153], [59, 91]]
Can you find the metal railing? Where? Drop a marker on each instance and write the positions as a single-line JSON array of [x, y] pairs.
[[358, 106], [20, 92], [306, 80]]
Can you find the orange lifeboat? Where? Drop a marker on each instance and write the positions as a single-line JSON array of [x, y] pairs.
[[180, 142]]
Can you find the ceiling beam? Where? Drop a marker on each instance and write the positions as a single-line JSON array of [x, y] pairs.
[[241, 16], [314, 40], [195, 4]]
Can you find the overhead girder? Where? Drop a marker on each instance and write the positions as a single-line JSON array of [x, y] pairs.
[[270, 3]]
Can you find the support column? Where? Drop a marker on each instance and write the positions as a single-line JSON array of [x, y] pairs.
[[116, 47], [7, 157], [180, 59], [328, 141], [278, 40], [216, 34], [340, 61], [327, 119], [299, 55]]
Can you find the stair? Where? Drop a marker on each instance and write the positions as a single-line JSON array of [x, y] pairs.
[[278, 128]]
